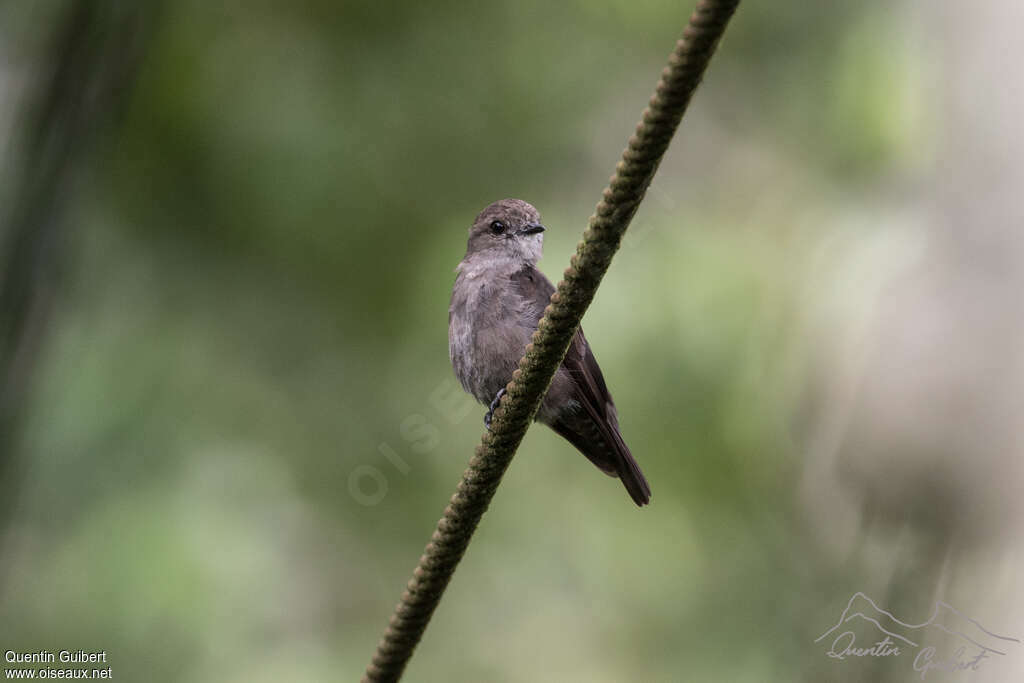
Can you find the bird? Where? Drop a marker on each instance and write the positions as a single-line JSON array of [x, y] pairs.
[[498, 299]]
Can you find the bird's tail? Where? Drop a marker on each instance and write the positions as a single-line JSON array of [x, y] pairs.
[[628, 469], [598, 438]]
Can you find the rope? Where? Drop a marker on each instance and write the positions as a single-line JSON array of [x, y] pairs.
[[551, 340]]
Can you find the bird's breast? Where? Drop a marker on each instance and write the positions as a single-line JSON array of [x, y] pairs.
[[486, 337]]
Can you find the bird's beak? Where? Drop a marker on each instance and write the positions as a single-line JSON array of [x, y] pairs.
[[533, 229]]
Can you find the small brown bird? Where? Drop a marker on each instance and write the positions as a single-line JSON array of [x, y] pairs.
[[498, 299]]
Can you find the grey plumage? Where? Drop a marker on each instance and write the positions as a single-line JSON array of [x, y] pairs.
[[498, 299]]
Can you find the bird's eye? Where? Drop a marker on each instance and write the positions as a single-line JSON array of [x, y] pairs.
[[497, 227]]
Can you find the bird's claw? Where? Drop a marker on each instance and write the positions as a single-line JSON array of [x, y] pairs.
[[494, 405]]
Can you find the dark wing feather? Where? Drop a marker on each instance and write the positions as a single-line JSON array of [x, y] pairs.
[[598, 404], [594, 431]]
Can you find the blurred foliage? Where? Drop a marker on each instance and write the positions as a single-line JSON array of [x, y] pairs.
[[262, 259]]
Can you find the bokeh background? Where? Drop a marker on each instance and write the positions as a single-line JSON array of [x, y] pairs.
[[228, 423]]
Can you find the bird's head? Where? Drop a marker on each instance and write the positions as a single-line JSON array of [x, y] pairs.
[[507, 229]]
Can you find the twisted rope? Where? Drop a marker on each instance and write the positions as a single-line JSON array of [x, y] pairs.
[[551, 340]]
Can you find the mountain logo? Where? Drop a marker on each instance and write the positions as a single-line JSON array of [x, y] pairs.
[[973, 643]]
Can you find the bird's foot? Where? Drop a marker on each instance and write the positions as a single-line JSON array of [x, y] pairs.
[[493, 407]]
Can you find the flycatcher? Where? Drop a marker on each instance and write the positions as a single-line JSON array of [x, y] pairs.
[[498, 299]]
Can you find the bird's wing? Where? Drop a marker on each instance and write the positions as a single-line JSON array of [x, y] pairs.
[[595, 430], [536, 291], [583, 367]]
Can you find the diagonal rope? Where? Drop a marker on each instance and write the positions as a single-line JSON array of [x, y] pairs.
[[551, 340]]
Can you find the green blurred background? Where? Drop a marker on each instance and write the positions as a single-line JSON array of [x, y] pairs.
[[229, 419]]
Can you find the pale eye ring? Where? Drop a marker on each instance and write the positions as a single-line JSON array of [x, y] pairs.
[[497, 227]]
